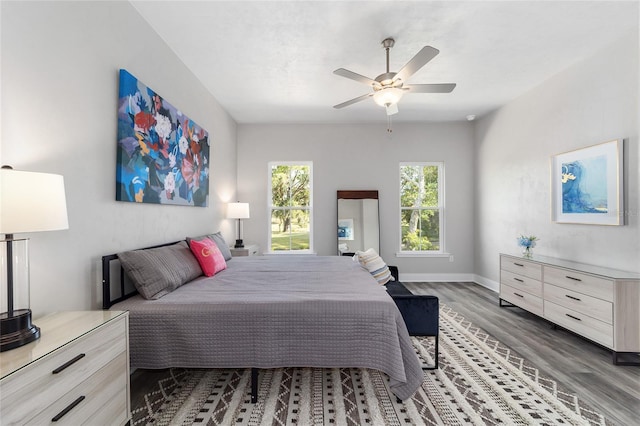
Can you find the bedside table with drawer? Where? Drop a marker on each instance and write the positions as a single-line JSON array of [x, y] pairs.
[[600, 304], [76, 373], [248, 250]]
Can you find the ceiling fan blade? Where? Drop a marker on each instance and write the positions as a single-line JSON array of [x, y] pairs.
[[353, 101], [430, 88], [354, 76], [425, 54]]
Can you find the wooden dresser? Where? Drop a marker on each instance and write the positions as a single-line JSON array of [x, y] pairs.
[[600, 304], [76, 373]]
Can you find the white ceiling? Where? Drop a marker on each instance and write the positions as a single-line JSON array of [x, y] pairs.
[[272, 61]]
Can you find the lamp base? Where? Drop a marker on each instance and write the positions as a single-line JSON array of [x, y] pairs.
[[239, 244], [17, 330]]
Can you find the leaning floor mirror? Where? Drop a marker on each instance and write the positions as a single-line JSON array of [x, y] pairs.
[[358, 222]]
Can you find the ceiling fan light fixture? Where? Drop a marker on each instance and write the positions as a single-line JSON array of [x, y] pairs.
[[389, 87], [388, 96]]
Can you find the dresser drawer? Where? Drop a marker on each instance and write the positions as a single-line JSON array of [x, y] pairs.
[[521, 267], [521, 282], [248, 250], [588, 305], [522, 299], [582, 283], [83, 357], [589, 327], [93, 394]]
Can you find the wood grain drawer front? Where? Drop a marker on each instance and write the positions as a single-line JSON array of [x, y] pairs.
[[58, 373], [601, 288], [521, 282], [588, 305], [85, 403], [522, 299], [521, 267], [589, 327]]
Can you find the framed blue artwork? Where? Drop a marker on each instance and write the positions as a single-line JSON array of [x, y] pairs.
[[163, 155], [587, 185], [345, 229]]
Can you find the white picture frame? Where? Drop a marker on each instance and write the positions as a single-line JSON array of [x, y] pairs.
[[345, 229], [587, 185]]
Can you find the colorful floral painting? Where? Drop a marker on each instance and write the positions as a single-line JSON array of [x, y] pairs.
[[163, 156], [587, 185]]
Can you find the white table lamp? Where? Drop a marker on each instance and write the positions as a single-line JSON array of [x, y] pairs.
[[29, 202], [238, 211]]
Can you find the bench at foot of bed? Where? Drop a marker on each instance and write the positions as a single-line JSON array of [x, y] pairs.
[[420, 312]]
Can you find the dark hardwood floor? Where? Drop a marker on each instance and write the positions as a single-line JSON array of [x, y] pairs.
[[572, 361]]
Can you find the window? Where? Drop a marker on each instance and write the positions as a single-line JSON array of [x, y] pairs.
[[290, 204], [421, 207]]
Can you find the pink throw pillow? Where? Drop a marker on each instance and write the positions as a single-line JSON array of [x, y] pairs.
[[209, 256]]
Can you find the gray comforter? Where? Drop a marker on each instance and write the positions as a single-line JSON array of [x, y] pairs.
[[270, 312]]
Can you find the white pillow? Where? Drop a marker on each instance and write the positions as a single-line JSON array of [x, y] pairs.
[[372, 262]]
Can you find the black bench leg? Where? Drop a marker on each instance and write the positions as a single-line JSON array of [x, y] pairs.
[[254, 385], [435, 355], [437, 352]]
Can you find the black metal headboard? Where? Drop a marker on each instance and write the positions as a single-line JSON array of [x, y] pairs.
[[116, 286]]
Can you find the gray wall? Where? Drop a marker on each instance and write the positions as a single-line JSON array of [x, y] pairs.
[[592, 102], [364, 157], [60, 64], [59, 74]]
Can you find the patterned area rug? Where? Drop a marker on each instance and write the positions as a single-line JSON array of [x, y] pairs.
[[480, 381]]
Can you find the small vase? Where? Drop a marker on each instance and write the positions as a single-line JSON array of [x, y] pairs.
[[527, 251]]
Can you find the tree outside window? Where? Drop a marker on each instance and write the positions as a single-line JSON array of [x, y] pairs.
[[421, 207], [290, 206]]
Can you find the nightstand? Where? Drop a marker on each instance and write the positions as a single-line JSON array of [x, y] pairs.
[[248, 250], [76, 373]]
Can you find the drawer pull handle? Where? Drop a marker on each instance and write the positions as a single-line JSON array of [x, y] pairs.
[[519, 295], [574, 298], [573, 278], [518, 264], [575, 318], [70, 407], [519, 280], [68, 364]]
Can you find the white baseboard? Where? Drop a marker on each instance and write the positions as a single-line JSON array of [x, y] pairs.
[[487, 283], [461, 278]]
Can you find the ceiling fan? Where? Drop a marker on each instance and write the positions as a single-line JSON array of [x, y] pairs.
[[389, 87]]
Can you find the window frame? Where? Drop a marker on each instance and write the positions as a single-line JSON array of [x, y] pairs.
[[271, 207], [441, 252]]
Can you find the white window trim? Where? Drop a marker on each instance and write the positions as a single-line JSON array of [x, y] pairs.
[[309, 251], [441, 201]]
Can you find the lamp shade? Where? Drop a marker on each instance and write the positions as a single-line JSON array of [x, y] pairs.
[[238, 211], [388, 96], [31, 202]]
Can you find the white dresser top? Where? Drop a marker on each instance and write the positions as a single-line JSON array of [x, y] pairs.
[[583, 267], [56, 330]]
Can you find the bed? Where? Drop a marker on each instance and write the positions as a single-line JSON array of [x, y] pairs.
[[270, 312]]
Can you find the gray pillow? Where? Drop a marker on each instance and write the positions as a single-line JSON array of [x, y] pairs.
[[158, 271], [222, 245], [220, 242]]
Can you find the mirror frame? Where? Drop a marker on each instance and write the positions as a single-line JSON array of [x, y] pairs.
[[358, 195]]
